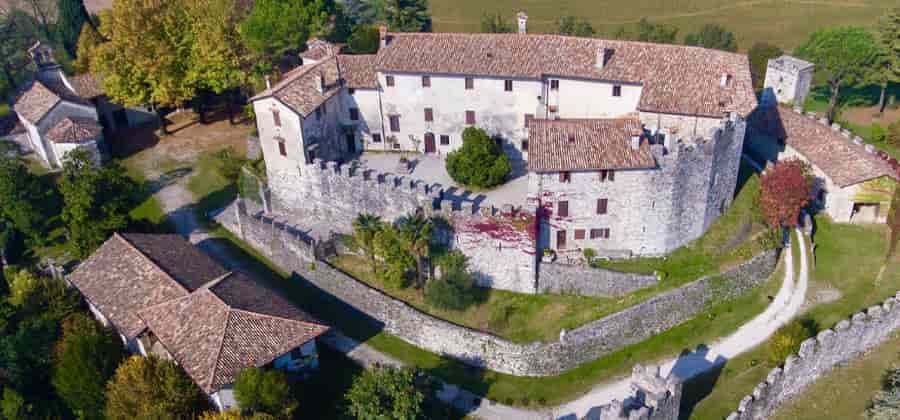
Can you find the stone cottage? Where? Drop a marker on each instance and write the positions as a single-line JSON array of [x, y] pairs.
[[853, 182], [163, 296]]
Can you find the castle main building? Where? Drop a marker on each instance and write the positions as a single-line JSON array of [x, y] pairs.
[[631, 148]]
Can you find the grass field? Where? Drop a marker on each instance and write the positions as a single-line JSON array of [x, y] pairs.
[[785, 23]]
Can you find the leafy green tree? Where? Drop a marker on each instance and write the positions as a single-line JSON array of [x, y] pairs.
[[86, 358], [364, 12], [88, 41], [712, 36], [275, 27], [34, 295], [575, 26], [886, 68], [19, 31], [407, 15], [234, 415], [415, 234], [72, 17], [24, 199], [385, 393], [494, 23], [13, 405], [26, 354], [397, 261], [365, 230], [480, 162], [842, 55], [759, 56], [97, 201], [364, 39], [146, 388], [265, 391], [647, 31], [453, 290]]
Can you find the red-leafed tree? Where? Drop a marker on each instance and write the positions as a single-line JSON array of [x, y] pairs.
[[784, 190]]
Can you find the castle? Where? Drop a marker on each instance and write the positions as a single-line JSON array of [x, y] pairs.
[[630, 148]]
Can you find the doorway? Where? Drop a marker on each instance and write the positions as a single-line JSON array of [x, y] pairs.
[[429, 143]]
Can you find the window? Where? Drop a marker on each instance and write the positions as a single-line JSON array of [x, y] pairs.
[[395, 122], [617, 90], [445, 140], [579, 233], [312, 156], [562, 209], [396, 145], [429, 114], [602, 233], [507, 85], [525, 145], [601, 205], [565, 176], [607, 175], [561, 239], [281, 148], [571, 137], [554, 84], [426, 81], [528, 118], [277, 117], [351, 91], [389, 80], [318, 114], [470, 117], [470, 83], [354, 114], [376, 138]]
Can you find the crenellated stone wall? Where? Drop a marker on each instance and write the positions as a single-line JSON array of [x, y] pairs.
[[290, 249], [653, 398], [819, 355]]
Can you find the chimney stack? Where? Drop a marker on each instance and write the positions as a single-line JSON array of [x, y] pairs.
[[321, 85], [635, 141], [603, 56], [522, 18], [723, 82], [268, 82], [383, 35]]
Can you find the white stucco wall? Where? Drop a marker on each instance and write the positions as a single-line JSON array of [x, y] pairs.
[[592, 99], [224, 399], [367, 101], [289, 131], [788, 86]]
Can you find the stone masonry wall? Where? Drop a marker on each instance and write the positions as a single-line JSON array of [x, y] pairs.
[[287, 248], [819, 355], [588, 281]]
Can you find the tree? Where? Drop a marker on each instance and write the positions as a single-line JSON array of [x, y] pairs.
[[97, 201], [785, 189], [26, 355], [45, 12], [415, 234], [842, 55], [364, 12], [13, 405], [365, 39], [494, 23], [365, 230], [886, 68], [72, 18], [148, 54], [275, 27], [24, 199], [712, 36], [86, 358], [265, 391], [397, 261], [234, 415], [453, 290], [19, 31], [385, 393], [575, 26], [88, 41], [34, 295], [893, 134], [152, 388], [407, 15], [759, 56], [480, 162], [647, 31]]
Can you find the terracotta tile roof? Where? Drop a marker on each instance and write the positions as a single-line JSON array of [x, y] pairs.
[[233, 324], [676, 79], [87, 85], [119, 280], [299, 89], [358, 71], [179, 258], [838, 157], [586, 144], [317, 49], [36, 102], [74, 130]]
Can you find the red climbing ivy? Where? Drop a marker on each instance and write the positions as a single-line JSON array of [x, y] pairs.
[[785, 189]]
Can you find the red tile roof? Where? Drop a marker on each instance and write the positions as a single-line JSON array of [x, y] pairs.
[[36, 102], [838, 157], [317, 49], [233, 324], [75, 130], [586, 144], [358, 71], [676, 79]]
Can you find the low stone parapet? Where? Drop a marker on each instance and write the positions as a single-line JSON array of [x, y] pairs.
[[588, 281]]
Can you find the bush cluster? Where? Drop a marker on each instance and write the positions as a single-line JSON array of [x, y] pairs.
[[480, 162]]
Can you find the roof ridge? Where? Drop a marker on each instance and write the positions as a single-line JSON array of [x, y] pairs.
[[147, 257], [215, 365], [315, 324]]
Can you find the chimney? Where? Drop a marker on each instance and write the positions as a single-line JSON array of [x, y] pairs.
[[603, 56], [383, 35], [522, 18], [870, 148], [268, 82], [635, 141], [321, 85], [723, 82]]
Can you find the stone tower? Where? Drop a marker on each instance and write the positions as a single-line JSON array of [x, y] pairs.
[[788, 81], [522, 19]]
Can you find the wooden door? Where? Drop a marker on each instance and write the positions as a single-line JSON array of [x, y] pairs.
[[560, 239], [429, 143]]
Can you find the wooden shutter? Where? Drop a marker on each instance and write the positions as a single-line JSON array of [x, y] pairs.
[[562, 209], [601, 205], [282, 149], [429, 114], [470, 83], [470, 117], [426, 81], [395, 122], [564, 176], [354, 114], [560, 239], [579, 233], [277, 117], [389, 80]]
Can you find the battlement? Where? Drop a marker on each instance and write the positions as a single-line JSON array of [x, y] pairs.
[[850, 137], [653, 397], [818, 355]]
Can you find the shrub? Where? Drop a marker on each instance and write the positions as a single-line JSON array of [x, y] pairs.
[[893, 134], [878, 134], [785, 189], [385, 393], [364, 39], [453, 291], [480, 162], [150, 387], [787, 339], [265, 391]]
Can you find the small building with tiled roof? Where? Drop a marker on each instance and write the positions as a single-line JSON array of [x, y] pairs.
[[165, 297], [855, 183]]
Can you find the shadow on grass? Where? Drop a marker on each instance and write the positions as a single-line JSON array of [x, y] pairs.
[[698, 388], [855, 96]]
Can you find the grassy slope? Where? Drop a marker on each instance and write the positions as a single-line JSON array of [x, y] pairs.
[[785, 23], [848, 258]]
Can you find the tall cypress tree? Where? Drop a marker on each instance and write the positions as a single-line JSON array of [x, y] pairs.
[[72, 16]]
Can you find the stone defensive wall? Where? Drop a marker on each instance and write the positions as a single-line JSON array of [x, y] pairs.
[[287, 247], [587, 281], [844, 342]]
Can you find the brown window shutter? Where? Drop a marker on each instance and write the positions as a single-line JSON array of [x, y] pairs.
[[277, 117], [282, 149], [563, 209], [611, 175], [470, 83], [601, 205], [560, 239], [579, 233], [389, 80], [395, 122], [354, 114], [470, 117], [429, 114], [565, 176], [426, 81]]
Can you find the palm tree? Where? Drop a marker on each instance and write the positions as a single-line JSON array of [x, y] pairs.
[[365, 228], [415, 231]]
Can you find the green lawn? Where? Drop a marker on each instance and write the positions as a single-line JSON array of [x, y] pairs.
[[4, 109], [785, 23], [848, 260]]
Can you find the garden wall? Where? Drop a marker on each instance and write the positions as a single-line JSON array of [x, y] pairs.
[[819, 355], [589, 281], [286, 246]]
